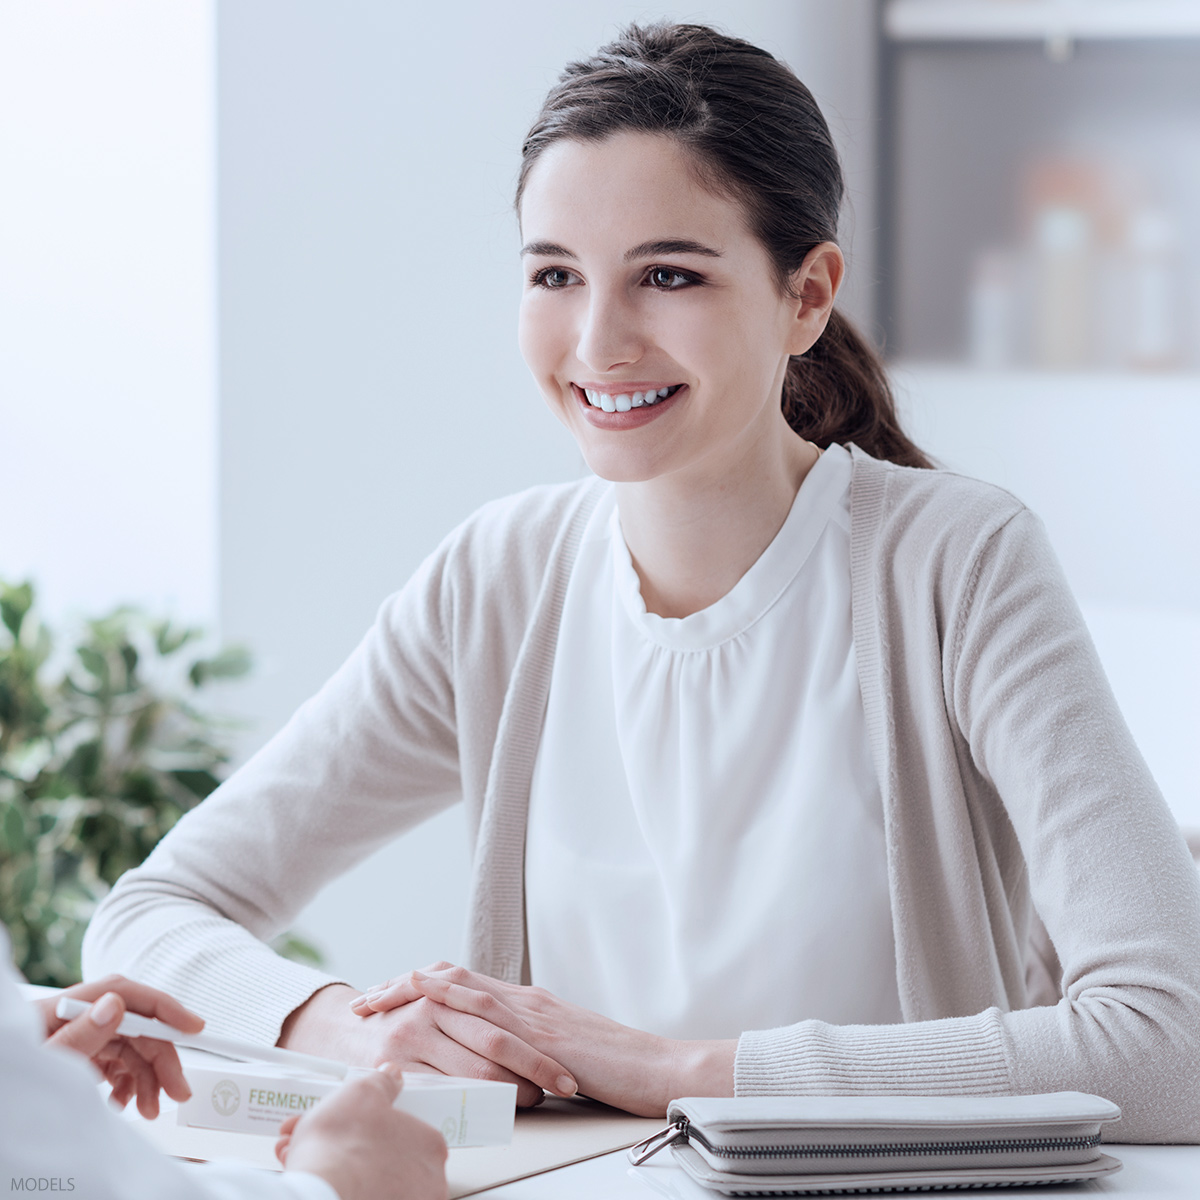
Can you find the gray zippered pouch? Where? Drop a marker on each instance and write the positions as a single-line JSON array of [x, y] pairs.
[[777, 1144]]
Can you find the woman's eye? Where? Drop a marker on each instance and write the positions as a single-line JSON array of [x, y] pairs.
[[553, 277], [667, 280]]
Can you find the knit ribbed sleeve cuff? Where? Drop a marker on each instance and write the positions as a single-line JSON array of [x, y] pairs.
[[239, 985], [961, 1056]]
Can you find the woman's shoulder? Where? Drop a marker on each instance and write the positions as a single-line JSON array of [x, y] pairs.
[[924, 508], [510, 543], [483, 582], [530, 522]]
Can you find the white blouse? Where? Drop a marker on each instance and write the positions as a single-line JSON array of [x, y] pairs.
[[705, 849]]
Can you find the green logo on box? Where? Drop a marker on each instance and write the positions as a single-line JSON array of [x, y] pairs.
[[226, 1098]]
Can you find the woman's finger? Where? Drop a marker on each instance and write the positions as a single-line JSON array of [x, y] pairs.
[[497, 1006], [393, 994], [122, 1087], [139, 998], [164, 1062], [470, 1000], [494, 1042], [145, 1081], [90, 1033]]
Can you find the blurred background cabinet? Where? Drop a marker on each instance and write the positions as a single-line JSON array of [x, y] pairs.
[[1038, 296]]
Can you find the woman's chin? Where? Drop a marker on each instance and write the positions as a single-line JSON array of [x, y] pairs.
[[619, 467]]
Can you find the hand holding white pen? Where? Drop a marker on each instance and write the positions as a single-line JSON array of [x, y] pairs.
[[139, 1068], [354, 1139], [142, 1027]]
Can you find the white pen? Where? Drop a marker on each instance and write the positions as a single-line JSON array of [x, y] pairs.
[[134, 1026]]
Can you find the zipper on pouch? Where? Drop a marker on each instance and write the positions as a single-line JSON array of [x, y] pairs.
[[681, 1131]]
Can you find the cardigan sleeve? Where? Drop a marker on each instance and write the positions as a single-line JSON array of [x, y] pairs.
[[373, 753], [1108, 872]]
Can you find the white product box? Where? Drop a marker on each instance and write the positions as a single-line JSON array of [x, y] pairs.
[[259, 1097]]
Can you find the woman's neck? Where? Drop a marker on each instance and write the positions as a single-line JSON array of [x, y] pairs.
[[692, 537]]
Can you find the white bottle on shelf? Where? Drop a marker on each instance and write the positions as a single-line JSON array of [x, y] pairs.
[[1154, 300], [1062, 301], [992, 311]]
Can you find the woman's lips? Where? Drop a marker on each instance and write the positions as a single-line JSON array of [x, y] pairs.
[[632, 419]]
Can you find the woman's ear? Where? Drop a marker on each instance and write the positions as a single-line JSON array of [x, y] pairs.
[[815, 286]]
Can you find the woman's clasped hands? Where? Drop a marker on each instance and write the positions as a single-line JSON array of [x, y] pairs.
[[627, 1068]]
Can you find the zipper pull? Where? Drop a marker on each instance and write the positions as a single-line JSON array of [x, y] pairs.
[[677, 1131]]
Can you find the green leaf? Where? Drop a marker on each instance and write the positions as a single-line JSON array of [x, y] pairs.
[[83, 767], [94, 662], [232, 662], [25, 883], [168, 639], [199, 783], [291, 945], [12, 829], [15, 601]]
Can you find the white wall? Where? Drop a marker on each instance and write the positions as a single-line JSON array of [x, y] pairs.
[[107, 352], [372, 394]]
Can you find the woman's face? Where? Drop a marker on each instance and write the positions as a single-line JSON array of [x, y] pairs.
[[651, 318]]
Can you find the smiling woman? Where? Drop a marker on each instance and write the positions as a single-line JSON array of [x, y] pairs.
[[789, 764]]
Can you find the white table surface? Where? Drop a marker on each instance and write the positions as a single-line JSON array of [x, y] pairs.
[[1148, 1173]]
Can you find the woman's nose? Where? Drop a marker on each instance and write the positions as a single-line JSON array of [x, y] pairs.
[[611, 334]]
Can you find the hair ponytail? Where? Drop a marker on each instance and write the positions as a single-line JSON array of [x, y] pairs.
[[757, 134], [839, 392]]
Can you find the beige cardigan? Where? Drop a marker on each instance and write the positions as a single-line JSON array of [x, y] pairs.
[[1010, 786]]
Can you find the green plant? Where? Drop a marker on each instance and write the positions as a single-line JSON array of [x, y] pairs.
[[99, 757]]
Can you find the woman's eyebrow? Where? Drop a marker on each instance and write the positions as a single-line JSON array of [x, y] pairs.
[[670, 246], [546, 250], [643, 250]]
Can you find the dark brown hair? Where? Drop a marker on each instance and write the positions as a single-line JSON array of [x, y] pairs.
[[756, 134]]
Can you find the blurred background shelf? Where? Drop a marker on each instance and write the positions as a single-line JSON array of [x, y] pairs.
[[1041, 20], [1051, 385], [1034, 212]]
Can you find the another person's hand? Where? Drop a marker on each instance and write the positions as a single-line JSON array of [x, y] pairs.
[[423, 1036], [627, 1068], [133, 1066], [365, 1149]]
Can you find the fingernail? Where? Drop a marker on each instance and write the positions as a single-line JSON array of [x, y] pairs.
[[419, 975], [365, 998], [106, 1009], [567, 1085]]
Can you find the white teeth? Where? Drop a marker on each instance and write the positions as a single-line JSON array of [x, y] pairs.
[[625, 400]]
